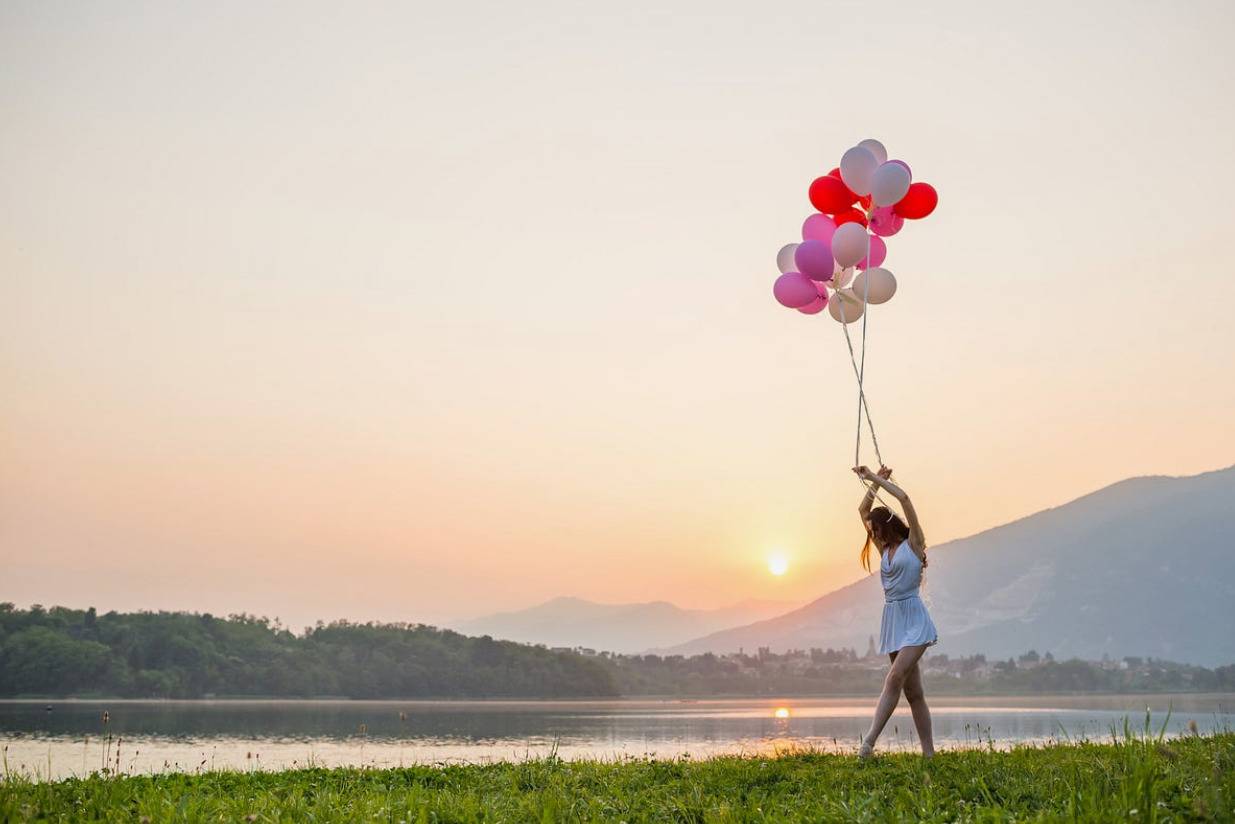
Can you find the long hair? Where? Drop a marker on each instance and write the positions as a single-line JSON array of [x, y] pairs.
[[885, 529]]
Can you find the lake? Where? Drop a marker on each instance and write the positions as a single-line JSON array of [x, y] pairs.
[[65, 738]]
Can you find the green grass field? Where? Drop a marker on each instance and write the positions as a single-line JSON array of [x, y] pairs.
[[1138, 778]]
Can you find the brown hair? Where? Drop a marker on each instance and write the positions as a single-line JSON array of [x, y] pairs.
[[885, 528]]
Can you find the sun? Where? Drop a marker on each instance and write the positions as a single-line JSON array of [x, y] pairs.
[[778, 564]]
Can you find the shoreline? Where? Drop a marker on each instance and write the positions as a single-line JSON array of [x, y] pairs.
[[941, 698]]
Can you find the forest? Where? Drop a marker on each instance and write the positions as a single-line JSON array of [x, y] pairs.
[[61, 652]]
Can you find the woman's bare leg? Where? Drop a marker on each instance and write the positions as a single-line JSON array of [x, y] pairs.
[[902, 662], [916, 696]]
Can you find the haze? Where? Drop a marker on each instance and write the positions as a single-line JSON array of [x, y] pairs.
[[420, 311]]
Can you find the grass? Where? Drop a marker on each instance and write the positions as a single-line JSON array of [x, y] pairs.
[[1134, 778]]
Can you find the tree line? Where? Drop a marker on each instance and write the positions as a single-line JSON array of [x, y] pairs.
[[70, 652]]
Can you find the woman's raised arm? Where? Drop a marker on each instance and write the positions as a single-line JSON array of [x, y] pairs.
[[917, 538], [864, 508]]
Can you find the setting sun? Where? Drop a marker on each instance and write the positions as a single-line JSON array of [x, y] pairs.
[[778, 564]]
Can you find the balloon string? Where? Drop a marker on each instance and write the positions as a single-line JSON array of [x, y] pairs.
[[859, 373], [866, 291]]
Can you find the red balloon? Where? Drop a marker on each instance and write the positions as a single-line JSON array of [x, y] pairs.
[[835, 173], [865, 200], [918, 202], [850, 215], [829, 195]]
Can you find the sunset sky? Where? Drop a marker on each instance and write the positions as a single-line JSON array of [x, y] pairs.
[[420, 311]]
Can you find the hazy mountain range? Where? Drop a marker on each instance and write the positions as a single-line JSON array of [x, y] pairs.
[[1143, 567], [574, 622]]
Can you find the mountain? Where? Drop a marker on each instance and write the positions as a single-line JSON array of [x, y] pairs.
[[1143, 567], [574, 622]]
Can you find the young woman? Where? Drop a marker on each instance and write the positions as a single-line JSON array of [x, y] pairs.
[[907, 629]]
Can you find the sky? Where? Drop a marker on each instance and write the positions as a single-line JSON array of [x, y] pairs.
[[416, 312]]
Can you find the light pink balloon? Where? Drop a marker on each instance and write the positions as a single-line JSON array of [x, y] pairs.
[[845, 306], [889, 183], [794, 289], [857, 166], [885, 222], [784, 258], [818, 227], [876, 148], [906, 165], [815, 306], [877, 255], [850, 244], [875, 285]]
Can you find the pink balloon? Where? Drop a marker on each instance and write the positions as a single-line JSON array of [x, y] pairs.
[[884, 222], [877, 255], [818, 227], [814, 307], [814, 259], [794, 289]]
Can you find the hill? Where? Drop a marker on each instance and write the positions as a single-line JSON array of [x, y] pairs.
[[628, 628], [1145, 566], [184, 655]]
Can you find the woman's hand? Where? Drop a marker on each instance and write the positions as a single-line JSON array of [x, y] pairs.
[[865, 474]]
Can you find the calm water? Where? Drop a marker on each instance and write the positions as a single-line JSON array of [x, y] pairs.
[[70, 738]]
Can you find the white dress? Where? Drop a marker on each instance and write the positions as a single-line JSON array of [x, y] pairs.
[[905, 619]]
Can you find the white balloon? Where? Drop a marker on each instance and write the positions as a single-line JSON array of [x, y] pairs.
[[857, 166], [850, 243], [844, 307], [842, 277], [875, 148], [875, 285], [784, 258], [889, 184]]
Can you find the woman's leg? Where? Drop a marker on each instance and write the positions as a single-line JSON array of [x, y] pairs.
[[916, 696], [904, 661]]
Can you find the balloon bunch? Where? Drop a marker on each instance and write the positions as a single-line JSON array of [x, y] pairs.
[[864, 200]]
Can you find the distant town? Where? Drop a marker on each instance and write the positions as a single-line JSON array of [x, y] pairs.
[[841, 671]]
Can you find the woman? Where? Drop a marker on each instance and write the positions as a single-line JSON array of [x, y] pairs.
[[907, 628]]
